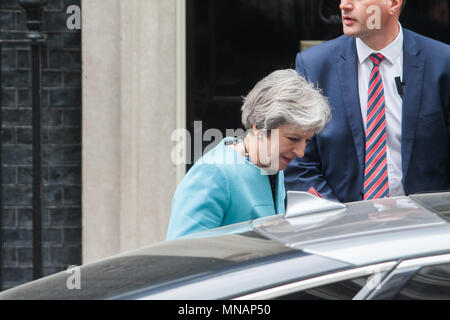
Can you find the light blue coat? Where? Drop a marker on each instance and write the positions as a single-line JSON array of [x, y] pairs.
[[222, 188]]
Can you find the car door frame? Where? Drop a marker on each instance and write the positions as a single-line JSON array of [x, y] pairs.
[[397, 279], [379, 270]]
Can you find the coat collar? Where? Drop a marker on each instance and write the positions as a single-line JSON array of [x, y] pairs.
[[348, 73], [413, 73]]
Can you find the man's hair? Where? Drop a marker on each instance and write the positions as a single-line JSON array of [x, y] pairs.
[[285, 97], [403, 5]]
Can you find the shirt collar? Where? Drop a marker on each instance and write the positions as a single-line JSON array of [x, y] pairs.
[[391, 52]]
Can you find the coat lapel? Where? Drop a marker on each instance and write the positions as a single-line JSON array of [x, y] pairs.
[[348, 73], [413, 71]]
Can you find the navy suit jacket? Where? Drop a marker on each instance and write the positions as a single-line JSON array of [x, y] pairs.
[[334, 159]]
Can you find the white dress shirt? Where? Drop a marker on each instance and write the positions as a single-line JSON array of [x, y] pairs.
[[390, 68]]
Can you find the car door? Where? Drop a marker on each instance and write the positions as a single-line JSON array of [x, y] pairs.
[[338, 285]]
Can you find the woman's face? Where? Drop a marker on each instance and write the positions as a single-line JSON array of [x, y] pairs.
[[290, 142]]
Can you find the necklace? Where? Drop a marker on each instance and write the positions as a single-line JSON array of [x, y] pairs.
[[239, 140]]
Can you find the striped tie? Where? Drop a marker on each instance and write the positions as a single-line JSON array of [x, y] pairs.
[[376, 183]]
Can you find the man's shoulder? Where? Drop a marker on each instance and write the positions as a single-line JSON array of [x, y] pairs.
[[323, 56], [430, 46], [327, 48]]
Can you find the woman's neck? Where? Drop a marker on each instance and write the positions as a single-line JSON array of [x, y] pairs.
[[241, 146]]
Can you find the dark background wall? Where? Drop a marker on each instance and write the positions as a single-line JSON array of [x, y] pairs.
[[62, 143]]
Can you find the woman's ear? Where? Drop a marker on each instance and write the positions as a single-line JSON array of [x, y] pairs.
[[255, 130]]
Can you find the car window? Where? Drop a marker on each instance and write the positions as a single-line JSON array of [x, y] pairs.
[[429, 283], [342, 290], [438, 202], [156, 265]]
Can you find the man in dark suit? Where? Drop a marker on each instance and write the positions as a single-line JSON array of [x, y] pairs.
[[389, 92]]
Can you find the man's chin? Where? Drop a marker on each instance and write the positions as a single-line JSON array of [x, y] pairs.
[[350, 32]]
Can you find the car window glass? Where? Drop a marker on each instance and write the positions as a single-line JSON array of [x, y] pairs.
[[438, 202], [429, 283], [342, 290]]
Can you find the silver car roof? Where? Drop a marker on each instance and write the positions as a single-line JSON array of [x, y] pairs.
[[365, 232]]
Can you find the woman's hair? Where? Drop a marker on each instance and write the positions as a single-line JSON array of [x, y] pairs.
[[285, 98]]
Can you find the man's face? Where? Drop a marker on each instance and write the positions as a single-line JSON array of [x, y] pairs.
[[364, 18]]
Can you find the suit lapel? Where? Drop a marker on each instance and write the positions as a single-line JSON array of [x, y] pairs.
[[348, 73], [413, 70]]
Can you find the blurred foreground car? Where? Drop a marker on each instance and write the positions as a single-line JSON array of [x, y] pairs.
[[394, 248]]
